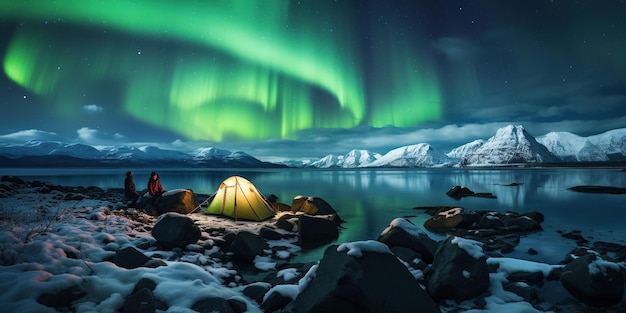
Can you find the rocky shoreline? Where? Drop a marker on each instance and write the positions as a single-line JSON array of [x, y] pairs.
[[250, 268]]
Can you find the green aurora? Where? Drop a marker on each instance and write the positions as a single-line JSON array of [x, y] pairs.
[[222, 70]]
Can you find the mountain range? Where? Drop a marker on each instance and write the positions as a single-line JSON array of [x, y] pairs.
[[511, 145], [47, 153]]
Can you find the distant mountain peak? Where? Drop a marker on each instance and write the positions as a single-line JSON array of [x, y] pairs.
[[417, 155], [511, 144], [607, 146]]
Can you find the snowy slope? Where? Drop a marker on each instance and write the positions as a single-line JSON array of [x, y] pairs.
[[209, 153], [565, 145], [511, 144], [419, 155], [466, 149]]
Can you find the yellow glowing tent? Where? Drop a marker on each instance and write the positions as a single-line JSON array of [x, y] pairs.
[[238, 198]]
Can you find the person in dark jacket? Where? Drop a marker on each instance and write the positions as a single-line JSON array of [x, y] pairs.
[[130, 191]]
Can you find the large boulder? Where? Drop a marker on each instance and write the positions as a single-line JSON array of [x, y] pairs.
[[402, 233], [594, 281], [451, 218], [247, 246], [313, 206], [173, 230], [317, 229], [459, 270], [362, 277], [181, 201]]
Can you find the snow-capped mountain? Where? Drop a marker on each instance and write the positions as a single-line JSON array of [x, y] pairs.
[[359, 158], [419, 155], [42, 153], [38, 148], [209, 153], [77, 150], [353, 159], [328, 161], [468, 148], [511, 144], [608, 146], [563, 144], [143, 153]]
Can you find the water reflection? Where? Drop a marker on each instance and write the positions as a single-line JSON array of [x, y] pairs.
[[370, 199]]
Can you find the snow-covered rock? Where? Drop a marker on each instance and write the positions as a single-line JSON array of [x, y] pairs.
[[511, 144], [419, 155]]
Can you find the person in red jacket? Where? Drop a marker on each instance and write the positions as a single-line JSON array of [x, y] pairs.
[[154, 185], [155, 188]]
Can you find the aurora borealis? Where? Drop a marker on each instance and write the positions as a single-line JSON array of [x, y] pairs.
[[248, 72]]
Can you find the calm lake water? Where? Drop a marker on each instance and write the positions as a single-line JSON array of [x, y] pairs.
[[370, 199]]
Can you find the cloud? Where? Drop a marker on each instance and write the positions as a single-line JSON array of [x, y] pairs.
[[92, 108], [31, 134], [95, 137]]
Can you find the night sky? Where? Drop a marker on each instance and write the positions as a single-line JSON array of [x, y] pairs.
[[303, 79]]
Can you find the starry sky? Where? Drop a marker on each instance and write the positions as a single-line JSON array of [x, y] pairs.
[[302, 79]]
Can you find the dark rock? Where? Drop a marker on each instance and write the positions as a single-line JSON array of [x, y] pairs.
[[237, 306], [490, 221], [247, 246], [182, 201], [142, 301], [73, 196], [598, 189], [270, 234], [212, 304], [536, 216], [399, 237], [155, 263], [593, 281], [457, 192], [453, 218], [528, 293], [174, 230], [62, 299], [275, 301], [456, 274], [129, 257], [409, 256], [288, 222], [576, 236], [522, 223], [314, 206], [256, 292], [532, 251], [317, 229], [14, 180], [372, 282], [146, 283], [530, 278]]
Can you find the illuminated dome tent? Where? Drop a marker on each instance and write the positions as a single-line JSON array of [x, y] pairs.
[[238, 198]]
